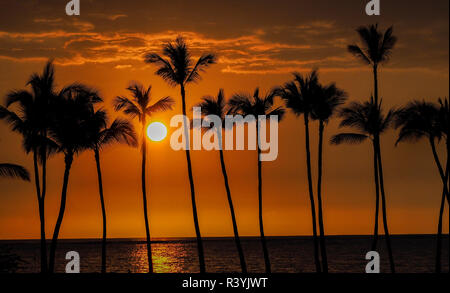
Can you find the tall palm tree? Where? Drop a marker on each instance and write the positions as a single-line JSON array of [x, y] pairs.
[[217, 106], [70, 131], [14, 171], [31, 119], [141, 106], [177, 68], [367, 118], [299, 96], [325, 104], [100, 136], [421, 119], [375, 51], [256, 105]]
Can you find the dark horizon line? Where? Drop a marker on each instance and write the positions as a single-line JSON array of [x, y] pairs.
[[213, 238]]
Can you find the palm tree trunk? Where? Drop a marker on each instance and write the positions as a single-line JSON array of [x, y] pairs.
[[233, 216], [383, 206], [441, 209], [311, 195], [43, 243], [375, 83], [377, 145], [260, 207], [42, 204], [144, 200], [68, 159], [201, 255], [323, 250], [102, 202], [439, 166], [439, 233], [377, 197], [448, 198]]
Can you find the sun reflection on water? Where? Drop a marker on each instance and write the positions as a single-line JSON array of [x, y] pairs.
[[166, 258]]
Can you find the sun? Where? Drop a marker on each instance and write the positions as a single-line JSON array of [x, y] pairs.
[[156, 131]]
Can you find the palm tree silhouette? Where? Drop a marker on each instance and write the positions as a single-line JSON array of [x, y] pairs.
[[31, 120], [217, 106], [367, 118], [299, 96], [100, 136], [70, 131], [245, 104], [140, 106], [375, 51], [178, 68], [325, 104], [420, 119], [14, 171]]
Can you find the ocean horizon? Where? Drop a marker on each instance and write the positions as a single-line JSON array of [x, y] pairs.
[[289, 254]]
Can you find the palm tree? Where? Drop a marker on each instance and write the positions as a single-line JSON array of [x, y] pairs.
[[217, 106], [325, 104], [375, 51], [177, 68], [245, 104], [299, 96], [100, 136], [140, 106], [367, 118], [420, 119], [70, 131], [14, 171], [31, 120]]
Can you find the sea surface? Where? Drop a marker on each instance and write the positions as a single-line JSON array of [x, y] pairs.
[[346, 254]]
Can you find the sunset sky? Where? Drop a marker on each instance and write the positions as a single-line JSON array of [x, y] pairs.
[[258, 43]]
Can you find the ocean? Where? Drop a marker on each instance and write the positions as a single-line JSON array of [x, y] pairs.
[[346, 254]]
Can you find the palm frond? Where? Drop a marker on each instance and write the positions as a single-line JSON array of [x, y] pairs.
[[202, 63], [127, 105], [356, 51], [165, 69], [349, 138], [121, 131], [14, 171], [162, 104]]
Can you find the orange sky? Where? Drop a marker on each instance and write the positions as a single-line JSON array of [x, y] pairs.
[[258, 44]]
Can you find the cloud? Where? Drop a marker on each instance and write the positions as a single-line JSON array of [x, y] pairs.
[[279, 49], [122, 66]]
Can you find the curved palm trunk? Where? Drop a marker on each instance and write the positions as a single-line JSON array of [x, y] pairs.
[[201, 255], [383, 206], [323, 250], [311, 195], [102, 202], [439, 233], [40, 199], [233, 216], [261, 223], [444, 179], [144, 201], [439, 166], [377, 197], [68, 159]]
